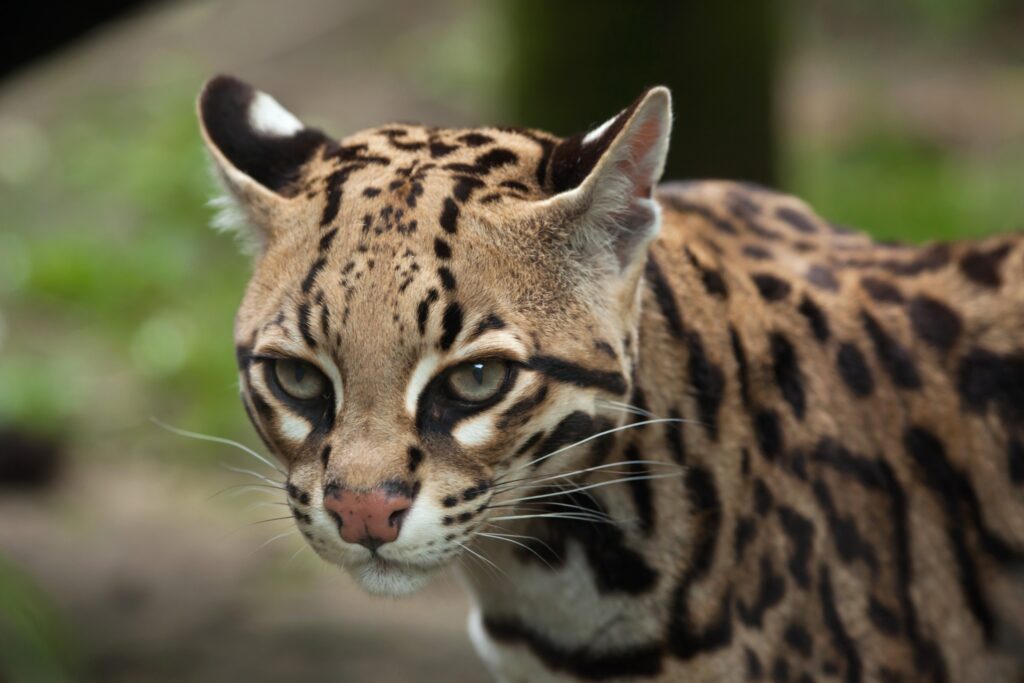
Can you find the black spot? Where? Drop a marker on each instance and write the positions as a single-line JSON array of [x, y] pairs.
[[638, 661], [848, 541], [327, 239], [371, 192], [712, 279], [769, 433], [956, 495], [447, 279], [298, 494], [708, 383], [770, 287], [788, 377], [674, 437], [570, 373], [415, 457], [687, 639], [605, 348], [742, 368], [798, 220], [665, 298], [489, 322], [423, 310], [449, 215], [840, 638], [464, 186], [1015, 460], [440, 149], [780, 670], [451, 325], [982, 267], [815, 318], [325, 455], [771, 588], [756, 252], [823, 278], [883, 618], [441, 249], [800, 532], [986, 378], [853, 369], [743, 534], [754, 668], [934, 322], [314, 270], [449, 501], [881, 291], [797, 637], [895, 359], [514, 185], [475, 139], [305, 329], [640, 488], [763, 499]]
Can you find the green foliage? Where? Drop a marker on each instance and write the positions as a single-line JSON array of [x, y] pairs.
[[897, 186], [125, 297], [35, 644]]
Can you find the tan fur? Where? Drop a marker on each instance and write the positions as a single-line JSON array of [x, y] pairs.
[[787, 443]]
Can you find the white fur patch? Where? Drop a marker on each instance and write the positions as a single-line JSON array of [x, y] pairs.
[[475, 432], [595, 135], [267, 116], [294, 428], [421, 376]]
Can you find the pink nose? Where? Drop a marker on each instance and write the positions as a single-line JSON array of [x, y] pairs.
[[369, 518]]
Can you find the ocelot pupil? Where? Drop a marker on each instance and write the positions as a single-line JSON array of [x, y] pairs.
[[478, 372]]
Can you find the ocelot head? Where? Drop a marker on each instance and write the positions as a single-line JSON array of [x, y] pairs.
[[435, 317]]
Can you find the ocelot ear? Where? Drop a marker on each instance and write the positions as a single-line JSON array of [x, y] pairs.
[[604, 181], [259, 150]]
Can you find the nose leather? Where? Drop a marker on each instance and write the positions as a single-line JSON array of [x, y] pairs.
[[369, 518]]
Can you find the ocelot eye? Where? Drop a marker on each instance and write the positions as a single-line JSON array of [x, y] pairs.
[[299, 379], [477, 381]]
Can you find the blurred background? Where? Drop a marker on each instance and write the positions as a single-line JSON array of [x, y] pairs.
[[128, 553]]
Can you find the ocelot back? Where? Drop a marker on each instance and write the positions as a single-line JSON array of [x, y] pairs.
[[688, 432]]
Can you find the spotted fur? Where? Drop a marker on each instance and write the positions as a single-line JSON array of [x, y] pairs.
[[835, 487]]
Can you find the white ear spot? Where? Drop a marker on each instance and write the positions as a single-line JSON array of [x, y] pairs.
[[475, 432], [294, 428], [417, 383], [267, 116], [595, 135]]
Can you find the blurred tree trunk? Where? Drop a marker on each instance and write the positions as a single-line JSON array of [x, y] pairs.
[[575, 64]]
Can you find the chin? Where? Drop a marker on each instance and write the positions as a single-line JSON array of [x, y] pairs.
[[385, 578]]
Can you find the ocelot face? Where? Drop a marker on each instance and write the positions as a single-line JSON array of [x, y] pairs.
[[435, 316]]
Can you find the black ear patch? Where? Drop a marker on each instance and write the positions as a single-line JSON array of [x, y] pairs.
[[575, 157], [274, 161]]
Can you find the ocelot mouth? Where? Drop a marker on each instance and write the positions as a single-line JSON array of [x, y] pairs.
[[387, 577]]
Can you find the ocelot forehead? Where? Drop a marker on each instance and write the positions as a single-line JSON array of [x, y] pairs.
[[401, 163]]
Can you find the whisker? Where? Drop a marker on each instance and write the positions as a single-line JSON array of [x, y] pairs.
[[596, 468], [217, 439], [274, 538], [556, 515], [631, 425], [252, 473], [478, 555], [595, 485], [503, 537], [239, 489]]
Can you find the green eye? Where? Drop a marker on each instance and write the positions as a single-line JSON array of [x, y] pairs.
[[477, 381], [299, 379]]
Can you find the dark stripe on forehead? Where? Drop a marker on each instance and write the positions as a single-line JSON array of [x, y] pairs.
[[423, 310], [451, 324], [305, 329], [314, 270], [449, 216], [570, 373]]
